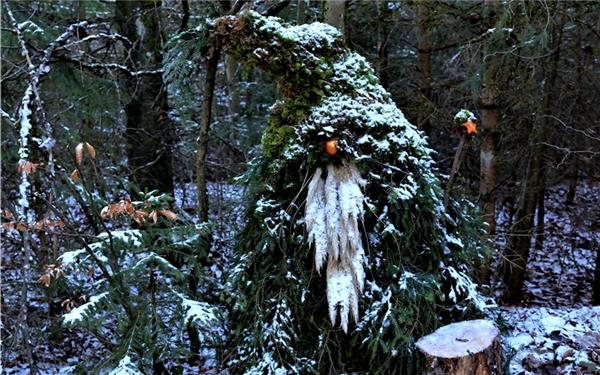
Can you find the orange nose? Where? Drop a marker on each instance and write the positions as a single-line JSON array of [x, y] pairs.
[[331, 147]]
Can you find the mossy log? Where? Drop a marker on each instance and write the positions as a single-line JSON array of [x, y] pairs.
[[467, 348]]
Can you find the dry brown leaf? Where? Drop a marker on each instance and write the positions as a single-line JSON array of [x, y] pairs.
[[8, 226], [67, 304], [91, 150], [170, 215], [45, 280], [39, 225], [104, 212], [27, 167], [154, 216], [127, 206], [7, 214], [21, 227], [139, 216], [79, 153], [75, 175]]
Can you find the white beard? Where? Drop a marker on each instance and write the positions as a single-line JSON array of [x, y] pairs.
[[334, 208]]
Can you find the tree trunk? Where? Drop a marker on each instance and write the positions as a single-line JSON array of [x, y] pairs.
[[301, 12], [541, 215], [148, 126], [335, 15], [424, 66], [209, 88], [466, 348], [596, 284], [489, 124], [519, 238], [382, 44], [578, 109]]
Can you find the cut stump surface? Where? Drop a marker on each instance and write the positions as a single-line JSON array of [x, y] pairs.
[[470, 347]]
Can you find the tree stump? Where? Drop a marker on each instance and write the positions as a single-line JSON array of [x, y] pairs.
[[466, 348]]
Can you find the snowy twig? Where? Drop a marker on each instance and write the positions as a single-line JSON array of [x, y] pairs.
[[11, 120], [113, 37], [113, 66]]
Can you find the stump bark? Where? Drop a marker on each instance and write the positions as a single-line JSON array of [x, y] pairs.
[[466, 348]]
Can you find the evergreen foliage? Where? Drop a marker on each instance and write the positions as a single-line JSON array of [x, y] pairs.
[[136, 283], [418, 255]]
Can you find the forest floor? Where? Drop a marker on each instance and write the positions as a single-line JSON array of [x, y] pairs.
[[555, 330]]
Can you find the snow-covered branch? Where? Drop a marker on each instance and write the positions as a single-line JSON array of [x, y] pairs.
[[114, 66], [112, 37]]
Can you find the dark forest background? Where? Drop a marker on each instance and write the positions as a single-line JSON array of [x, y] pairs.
[[123, 110]]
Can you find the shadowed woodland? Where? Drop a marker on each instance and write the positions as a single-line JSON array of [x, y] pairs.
[[276, 186]]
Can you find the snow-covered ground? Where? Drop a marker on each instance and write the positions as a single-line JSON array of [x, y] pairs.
[[545, 340], [555, 330]]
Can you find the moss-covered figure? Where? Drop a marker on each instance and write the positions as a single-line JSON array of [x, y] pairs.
[[416, 254]]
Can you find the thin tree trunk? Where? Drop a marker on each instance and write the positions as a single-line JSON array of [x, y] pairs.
[[541, 215], [578, 109], [519, 242], [209, 87], [596, 284], [382, 43], [231, 67], [424, 65]]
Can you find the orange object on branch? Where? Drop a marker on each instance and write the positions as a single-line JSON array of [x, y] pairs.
[[469, 127]]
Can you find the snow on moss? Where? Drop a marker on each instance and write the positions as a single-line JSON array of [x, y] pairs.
[[463, 115], [311, 36]]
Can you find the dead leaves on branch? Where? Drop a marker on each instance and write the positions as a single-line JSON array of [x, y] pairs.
[[41, 225], [91, 151], [52, 271], [28, 167], [125, 208], [79, 154], [74, 175]]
